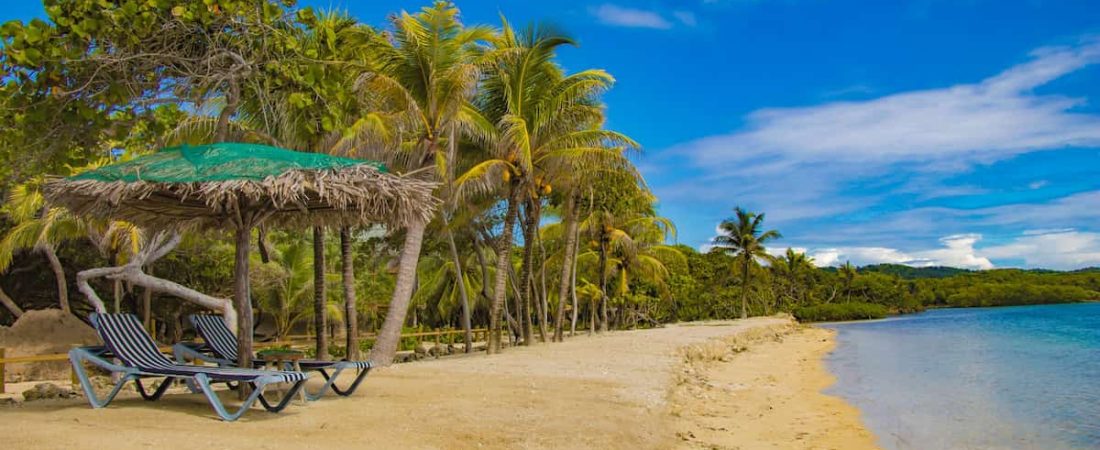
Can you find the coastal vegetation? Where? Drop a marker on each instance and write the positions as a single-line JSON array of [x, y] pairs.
[[546, 227]]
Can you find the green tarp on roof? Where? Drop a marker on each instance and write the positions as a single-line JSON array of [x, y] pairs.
[[217, 162]]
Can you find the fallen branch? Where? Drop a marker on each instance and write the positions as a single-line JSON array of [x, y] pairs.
[[160, 245]]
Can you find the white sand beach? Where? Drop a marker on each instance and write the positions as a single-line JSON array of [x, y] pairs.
[[629, 389]]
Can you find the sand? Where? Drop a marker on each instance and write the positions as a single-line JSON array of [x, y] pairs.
[[613, 391], [762, 389]]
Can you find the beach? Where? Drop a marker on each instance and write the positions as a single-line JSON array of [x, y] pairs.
[[739, 384]]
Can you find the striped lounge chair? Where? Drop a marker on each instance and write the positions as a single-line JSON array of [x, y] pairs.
[[138, 358], [220, 347]]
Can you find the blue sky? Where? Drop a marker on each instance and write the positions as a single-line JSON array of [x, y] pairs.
[[963, 133]]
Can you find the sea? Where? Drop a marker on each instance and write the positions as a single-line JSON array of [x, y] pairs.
[[1025, 377]]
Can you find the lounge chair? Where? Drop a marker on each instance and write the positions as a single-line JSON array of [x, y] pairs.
[[220, 347], [138, 357]]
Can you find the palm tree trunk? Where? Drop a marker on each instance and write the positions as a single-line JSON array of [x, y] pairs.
[[320, 322], [385, 347], [10, 304], [517, 298], [544, 301], [527, 278], [504, 247], [525, 273], [59, 277], [744, 288], [351, 314], [603, 282], [461, 275], [566, 268], [573, 293]]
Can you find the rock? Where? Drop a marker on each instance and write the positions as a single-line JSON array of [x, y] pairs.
[[45, 391]]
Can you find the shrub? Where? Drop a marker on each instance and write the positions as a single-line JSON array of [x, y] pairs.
[[840, 311]]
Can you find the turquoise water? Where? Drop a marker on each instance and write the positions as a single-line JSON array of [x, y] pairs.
[[1014, 377]]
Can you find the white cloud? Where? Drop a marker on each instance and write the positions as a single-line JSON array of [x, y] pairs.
[[685, 17], [957, 251], [998, 117], [1037, 184], [629, 17], [1062, 249], [1051, 249]]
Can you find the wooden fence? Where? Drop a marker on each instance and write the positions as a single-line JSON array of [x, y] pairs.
[[293, 341]]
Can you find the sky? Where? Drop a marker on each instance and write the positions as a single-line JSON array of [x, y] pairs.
[[963, 133]]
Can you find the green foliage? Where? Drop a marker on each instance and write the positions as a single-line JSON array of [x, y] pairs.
[[910, 273], [840, 311], [1015, 293]]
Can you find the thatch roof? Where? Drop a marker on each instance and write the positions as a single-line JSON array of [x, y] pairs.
[[204, 187]]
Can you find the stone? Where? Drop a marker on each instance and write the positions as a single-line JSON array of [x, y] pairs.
[[46, 391]]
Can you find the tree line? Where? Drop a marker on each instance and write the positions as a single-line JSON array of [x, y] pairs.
[[546, 228]]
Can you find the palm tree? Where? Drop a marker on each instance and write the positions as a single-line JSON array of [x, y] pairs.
[[43, 228], [741, 235], [40, 228], [428, 67], [848, 275], [547, 124], [792, 267], [630, 248], [287, 281]]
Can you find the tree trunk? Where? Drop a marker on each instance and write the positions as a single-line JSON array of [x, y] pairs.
[[10, 304], [504, 248], [573, 292], [59, 277], [147, 304], [385, 347], [320, 321], [603, 281], [242, 297], [566, 268], [261, 244], [744, 288], [232, 100], [544, 301], [351, 315], [461, 276], [530, 227], [593, 305]]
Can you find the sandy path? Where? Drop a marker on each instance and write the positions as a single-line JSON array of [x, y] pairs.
[[591, 392]]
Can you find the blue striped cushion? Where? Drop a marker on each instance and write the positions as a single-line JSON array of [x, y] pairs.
[[216, 334], [125, 337], [315, 365]]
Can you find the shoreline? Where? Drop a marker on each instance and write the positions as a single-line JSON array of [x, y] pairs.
[[764, 389], [612, 391]]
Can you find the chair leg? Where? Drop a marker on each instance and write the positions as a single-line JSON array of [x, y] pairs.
[[283, 402], [156, 394], [204, 383], [77, 357], [330, 383]]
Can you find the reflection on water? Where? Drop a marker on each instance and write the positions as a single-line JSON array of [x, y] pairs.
[[1016, 377]]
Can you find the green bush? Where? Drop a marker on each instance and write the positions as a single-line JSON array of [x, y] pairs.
[[840, 311]]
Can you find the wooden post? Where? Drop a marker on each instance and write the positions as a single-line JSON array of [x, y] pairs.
[[2, 374], [244, 303], [438, 343]]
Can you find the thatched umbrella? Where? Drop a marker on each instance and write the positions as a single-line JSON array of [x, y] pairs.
[[238, 186]]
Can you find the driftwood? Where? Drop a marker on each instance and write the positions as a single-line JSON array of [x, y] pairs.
[[160, 244]]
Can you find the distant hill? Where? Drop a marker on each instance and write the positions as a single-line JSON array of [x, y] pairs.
[[911, 273]]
